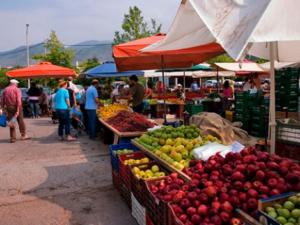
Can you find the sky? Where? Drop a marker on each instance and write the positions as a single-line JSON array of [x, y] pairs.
[[74, 20]]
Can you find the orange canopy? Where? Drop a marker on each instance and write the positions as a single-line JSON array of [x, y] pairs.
[[129, 57], [41, 70]]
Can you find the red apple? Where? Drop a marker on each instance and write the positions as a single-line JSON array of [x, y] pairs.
[[260, 175], [227, 207], [202, 210], [191, 211]]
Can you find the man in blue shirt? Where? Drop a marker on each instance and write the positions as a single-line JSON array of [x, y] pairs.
[[91, 105], [195, 86]]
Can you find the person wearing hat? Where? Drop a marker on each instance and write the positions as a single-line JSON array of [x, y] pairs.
[[91, 106], [62, 107], [12, 104]]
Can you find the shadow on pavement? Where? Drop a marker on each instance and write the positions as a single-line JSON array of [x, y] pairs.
[[83, 185]]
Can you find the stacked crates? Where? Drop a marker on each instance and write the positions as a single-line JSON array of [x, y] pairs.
[[287, 89], [252, 111], [193, 109]]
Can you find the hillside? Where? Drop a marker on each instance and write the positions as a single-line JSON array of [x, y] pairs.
[[83, 50]]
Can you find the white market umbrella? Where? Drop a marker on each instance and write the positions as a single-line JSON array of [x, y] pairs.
[[263, 28], [242, 67]]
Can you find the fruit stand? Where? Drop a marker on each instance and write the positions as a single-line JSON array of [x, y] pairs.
[[161, 161], [229, 189], [118, 135], [123, 122]]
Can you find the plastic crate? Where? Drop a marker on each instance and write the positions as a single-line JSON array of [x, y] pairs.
[[194, 109], [288, 132], [113, 156], [172, 218], [138, 186], [262, 204], [116, 180], [138, 211], [125, 172], [157, 210], [288, 151], [148, 220], [125, 194]]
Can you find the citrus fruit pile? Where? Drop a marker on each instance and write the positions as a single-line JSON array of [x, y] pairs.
[[109, 111]]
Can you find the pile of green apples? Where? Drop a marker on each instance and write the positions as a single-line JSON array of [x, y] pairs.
[[287, 213]]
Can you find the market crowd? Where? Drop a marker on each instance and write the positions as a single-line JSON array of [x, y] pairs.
[[75, 109]]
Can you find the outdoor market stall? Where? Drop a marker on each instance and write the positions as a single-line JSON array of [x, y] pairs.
[[230, 184], [261, 25]]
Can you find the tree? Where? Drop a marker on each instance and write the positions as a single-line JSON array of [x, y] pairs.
[[220, 58], [134, 27], [56, 52], [89, 63]]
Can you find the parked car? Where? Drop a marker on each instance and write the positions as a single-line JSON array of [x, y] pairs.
[[210, 83]]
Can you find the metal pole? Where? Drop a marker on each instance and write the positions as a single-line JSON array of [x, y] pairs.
[[27, 51], [184, 83], [164, 88], [218, 80], [272, 121]]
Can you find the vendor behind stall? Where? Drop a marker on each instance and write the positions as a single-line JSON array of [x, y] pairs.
[[137, 92]]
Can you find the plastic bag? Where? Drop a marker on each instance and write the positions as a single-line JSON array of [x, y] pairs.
[[12, 122]]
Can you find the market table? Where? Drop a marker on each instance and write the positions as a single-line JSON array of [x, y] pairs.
[[163, 162], [118, 134]]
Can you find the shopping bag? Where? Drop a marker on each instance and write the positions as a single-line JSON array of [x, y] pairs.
[[3, 119]]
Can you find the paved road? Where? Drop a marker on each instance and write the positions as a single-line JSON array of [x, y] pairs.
[[47, 182]]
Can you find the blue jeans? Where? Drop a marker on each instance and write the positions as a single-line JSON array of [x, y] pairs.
[[63, 116], [92, 122], [35, 107]]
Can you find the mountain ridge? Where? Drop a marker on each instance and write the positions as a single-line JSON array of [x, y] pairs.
[[102, 50]]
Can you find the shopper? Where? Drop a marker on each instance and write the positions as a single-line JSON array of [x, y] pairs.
[[82, 107], [44, 103], [62, 107], [72, 95], [194, 86], [12, 103], [149, 92], [159, 87], [34, 97], [91, 105], [137, 92], [227, 90]]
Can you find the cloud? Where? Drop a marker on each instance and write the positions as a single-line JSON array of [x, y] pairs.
[[74, 20]]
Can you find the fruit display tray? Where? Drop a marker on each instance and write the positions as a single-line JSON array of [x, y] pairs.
[[264, 203], [161, 161], [118, 134], [138, 186], [157, 210], [114, 159], [125, 171]]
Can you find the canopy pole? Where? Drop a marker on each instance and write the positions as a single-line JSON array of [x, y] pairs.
[[27, 51], [272, 121], [184, 83], [164, 87], [218, 80]]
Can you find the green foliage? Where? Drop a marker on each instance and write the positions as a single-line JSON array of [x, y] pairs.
[[221, 58], [134, 27], [56, 52], [4, 80], [89, 64]]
